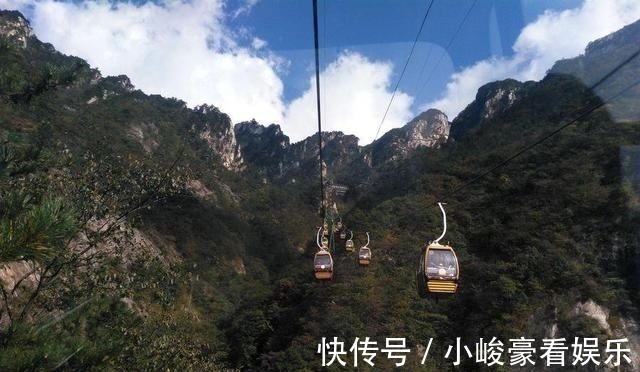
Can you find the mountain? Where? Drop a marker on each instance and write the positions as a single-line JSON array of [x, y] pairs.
[[492, 99], [139, 234], [596, 62], [166, 231], [270, 153], [264, 147], [109, 107], [269, 150], [548, 240], [429, 129]]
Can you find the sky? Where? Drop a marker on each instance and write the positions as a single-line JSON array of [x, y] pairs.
[[254, 59]]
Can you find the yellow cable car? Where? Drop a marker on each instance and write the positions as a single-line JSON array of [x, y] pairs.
[[439, 270], [322, 261], [364, 254], [323, 265], [348, 246]]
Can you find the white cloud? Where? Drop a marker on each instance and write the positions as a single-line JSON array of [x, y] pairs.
[[174, 48], [355, 92], [245, 8], [258, 43], [552, 36], [185, 50]]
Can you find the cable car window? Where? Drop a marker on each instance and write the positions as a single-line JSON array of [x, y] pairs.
[[323, 260], [441, 263]]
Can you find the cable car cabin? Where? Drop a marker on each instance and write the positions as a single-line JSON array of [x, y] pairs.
[[343, 235], [364, 256], [323, 265], [348, 246], [438, 271]]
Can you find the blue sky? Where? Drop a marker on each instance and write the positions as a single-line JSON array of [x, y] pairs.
[[385, 30], [253, 58]]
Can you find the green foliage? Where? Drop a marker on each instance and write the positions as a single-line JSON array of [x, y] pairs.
[[33, 232]]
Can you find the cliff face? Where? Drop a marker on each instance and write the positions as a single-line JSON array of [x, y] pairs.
[[265, 148], [269, 150], [15, 28], [429, 129], [216, 129], [597, 61], [109, 106], [492, 99]]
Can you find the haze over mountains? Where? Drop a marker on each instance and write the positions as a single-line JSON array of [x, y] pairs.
[[203, 231]]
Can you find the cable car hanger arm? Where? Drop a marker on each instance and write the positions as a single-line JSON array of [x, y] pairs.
[[444, 219]]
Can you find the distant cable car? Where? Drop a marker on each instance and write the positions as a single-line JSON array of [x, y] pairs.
[[438, 271], [348, 246], [322, 262], [364, 254]]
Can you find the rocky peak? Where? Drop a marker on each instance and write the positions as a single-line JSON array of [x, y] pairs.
[[429, 129], [496, 97], [215, 128], [622, 38], [333, 145], [269, 150], [14, 28], [252, 130], [264, 147], [492, 99], [602, 56]]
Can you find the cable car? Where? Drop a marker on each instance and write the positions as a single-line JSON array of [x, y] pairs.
[[323, 265], [348, 246], [439, 270], [364, 254], [322, 262]]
